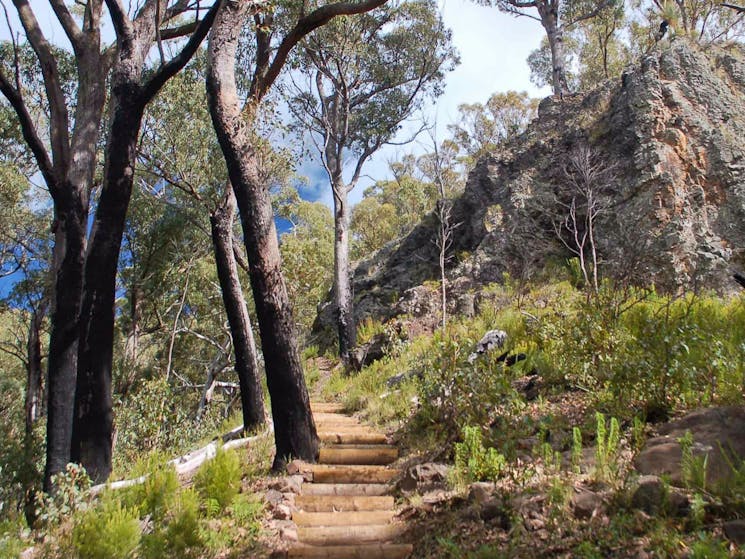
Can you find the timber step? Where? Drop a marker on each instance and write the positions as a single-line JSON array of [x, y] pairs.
[[345, 436], [326, 407], [358, 454], [369, 551], [371, 489], [346, 511], [324, 473], [330, 503], [356, 518], [348, 535]]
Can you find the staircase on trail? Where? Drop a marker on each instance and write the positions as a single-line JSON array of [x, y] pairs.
[[346, 511]]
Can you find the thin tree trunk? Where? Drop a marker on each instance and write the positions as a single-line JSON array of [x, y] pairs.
[[244, 345], [33, 409], [342, 281], [294, 429], [555, 35]]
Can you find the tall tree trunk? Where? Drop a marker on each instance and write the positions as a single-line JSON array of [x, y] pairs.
[[93, 426], [342, 280], [555, 34], [69, 253], [244, 345], [294, 429]]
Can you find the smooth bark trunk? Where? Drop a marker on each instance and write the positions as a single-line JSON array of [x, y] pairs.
[[244, 345], [294, 429], [342, 280], [554, 33]]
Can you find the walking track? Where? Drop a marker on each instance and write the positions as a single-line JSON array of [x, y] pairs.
[[346, 511]]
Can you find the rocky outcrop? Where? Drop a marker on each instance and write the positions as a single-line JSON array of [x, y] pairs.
[[717, 435], [668, 137]]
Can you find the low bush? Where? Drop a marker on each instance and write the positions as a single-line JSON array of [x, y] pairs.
[[107, 531], [218, 480]]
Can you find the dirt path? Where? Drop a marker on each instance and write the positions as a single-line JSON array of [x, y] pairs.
[[346, 511]]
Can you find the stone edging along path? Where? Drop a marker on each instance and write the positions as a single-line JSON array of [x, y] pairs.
[[344, 509]]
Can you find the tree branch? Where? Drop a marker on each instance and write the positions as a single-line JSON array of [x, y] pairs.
[[305, 25], [58, 120], [739, 9], [166, 72], [30, 133], [68, 23]]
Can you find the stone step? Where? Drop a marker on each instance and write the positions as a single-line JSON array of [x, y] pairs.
[[346, 535], [368, 551], [344, 436], [331, 503], [358, 454], [355, 518], [369, 489], [323, 473]]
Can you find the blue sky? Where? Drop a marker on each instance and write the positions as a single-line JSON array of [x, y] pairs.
[[493, 49]]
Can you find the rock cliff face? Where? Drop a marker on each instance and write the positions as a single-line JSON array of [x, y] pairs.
[[669, 140]]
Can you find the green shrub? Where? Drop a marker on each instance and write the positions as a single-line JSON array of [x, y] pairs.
[[606, 450], [474, 462], [70, 495], [219, 480], [180, 535], [157, 492], [108, 531]]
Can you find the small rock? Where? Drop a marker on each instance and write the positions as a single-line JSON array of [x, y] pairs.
[[652, 497], [273, 497], [295, 467], [734, 530], [287, 484], [423, 475], [493, 511], [282, 512], [585, 503], [480, 492], [288, 533], [649, 495]]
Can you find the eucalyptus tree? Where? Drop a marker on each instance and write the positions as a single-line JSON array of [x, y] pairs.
[[276, 30], [704, 21], [481, 128], [180, 150], [79, 420], [365, 76], [556, 16]]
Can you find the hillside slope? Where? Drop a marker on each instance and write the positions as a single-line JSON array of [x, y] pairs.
[[667, 138]]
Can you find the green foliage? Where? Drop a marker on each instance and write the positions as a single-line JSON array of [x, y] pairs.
[[181, 536], [219, 480], [107, 531], [307, 256], [693, 467], [480, 129], [708, 547], [607, 439], [576, 449], [474, 462], [154, 496], [69, 496]]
